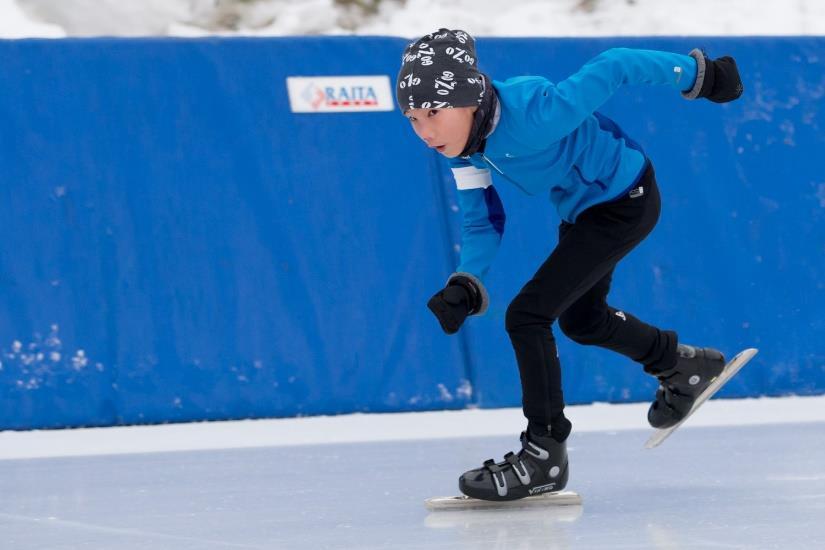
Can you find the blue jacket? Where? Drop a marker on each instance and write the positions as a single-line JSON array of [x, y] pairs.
[[549, 139]]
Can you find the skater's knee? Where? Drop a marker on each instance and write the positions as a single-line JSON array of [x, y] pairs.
[[520, 315], [515, 316], [583, 330]]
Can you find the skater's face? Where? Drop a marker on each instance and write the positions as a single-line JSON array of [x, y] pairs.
[[445, 130]]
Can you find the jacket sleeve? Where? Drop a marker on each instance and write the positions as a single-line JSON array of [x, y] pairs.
[[482, 222], [558, 109]]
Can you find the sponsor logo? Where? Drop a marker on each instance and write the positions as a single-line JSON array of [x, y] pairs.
[[621, 315], [636, 193], [693, 380], [339, 94], [542, 488]]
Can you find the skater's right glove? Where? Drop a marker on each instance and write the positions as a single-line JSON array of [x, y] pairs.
[[716, 79], [461, 297]]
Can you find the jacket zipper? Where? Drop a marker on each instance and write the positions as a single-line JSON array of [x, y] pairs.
[[505, 176]]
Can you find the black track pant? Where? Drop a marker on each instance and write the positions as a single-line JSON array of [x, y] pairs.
[[572, 286]]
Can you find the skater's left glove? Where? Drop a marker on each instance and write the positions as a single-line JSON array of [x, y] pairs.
[[716, 79], [464, 295]]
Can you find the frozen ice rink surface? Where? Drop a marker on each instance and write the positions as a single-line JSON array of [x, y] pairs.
[[744, 486]]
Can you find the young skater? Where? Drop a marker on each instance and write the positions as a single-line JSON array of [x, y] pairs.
[[548, 139]]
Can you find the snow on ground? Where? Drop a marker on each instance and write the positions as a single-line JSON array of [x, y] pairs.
[[360, 428], [14, 23], [607, 18], [411, 18]]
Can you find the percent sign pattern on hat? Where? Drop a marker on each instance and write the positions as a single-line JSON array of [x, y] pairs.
[[439, 71]]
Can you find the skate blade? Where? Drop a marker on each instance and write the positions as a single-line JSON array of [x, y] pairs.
[[532, 518], [734, 365], [560, 498]]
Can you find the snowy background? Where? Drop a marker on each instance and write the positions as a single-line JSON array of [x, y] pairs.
[[59, 18]]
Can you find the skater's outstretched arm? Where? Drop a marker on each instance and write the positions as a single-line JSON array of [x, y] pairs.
[[557, 109]]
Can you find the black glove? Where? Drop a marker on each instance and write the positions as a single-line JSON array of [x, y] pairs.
[[722, 82], [454, 303]]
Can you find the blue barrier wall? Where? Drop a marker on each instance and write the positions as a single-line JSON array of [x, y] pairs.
[[178, 245]]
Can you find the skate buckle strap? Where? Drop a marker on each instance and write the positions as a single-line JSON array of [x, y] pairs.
[[535, 450], [498, 477], [665, 375], [671, 405], [518, 467]]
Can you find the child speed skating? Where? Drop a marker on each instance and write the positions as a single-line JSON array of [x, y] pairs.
[[548, 139]]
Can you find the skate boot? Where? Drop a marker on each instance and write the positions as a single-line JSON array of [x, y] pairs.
[[679, 386], [540, 467]]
